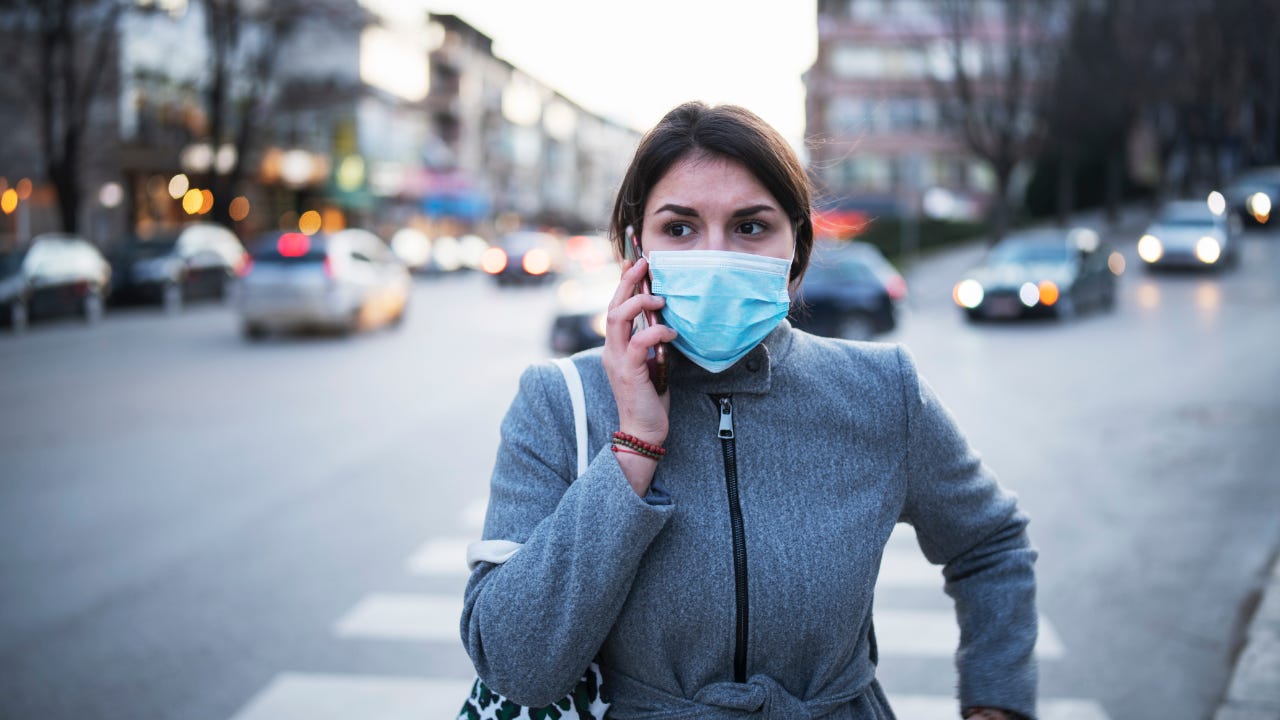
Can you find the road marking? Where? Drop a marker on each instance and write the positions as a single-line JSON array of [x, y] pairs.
[[315, 696], [433, 618], [909, 570], [440, 556], [308, 696], [934, 633]]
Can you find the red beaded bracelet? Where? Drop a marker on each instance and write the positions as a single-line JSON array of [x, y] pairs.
[[624, 449], [631, 441]]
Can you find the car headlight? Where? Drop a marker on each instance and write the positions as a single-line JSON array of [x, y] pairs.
[[1029, 294], [1208, 250], [1150, 249], [968, 293], [1260, 206]]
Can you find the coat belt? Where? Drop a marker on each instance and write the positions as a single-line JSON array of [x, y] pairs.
[[760, 697]]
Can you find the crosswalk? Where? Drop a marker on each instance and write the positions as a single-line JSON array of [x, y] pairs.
[[911, 633]]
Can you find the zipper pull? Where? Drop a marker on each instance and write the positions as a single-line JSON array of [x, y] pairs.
[[726, 418]]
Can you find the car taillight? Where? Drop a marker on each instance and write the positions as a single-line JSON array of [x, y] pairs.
[[293, 245], [330, 271], [245, 266], [896, 287]]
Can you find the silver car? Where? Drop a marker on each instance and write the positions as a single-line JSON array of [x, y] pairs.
[[344, 281], [1189, 234]]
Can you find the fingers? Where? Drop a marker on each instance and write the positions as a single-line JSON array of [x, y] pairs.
[[632, 274]]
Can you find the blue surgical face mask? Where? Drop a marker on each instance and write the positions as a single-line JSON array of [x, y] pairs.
[[721, 303]]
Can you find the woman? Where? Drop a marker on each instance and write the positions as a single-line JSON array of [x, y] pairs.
[[719, 555]]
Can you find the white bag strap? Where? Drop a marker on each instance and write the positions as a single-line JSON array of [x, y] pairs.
[[500, 551], [579, 401]]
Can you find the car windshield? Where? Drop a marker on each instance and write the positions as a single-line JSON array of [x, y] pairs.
[[1026, 252], [834, 268]]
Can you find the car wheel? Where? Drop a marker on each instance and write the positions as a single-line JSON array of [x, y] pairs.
[[91, 307], [171, 298], [855, 326], [253, 331], [19, 318]]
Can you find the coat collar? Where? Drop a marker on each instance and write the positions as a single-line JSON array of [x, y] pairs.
[[751, 374]]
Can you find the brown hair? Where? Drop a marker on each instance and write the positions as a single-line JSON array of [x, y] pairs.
[[727, 131]]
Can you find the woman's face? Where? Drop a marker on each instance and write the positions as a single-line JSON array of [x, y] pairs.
[[706, 202]]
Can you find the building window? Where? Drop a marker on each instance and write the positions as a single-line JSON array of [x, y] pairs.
[[854, 61]]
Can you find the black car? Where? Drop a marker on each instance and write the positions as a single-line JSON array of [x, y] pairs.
[[1252, 195], [1052, 272], [56, 274], [200, 261], [850, 290]]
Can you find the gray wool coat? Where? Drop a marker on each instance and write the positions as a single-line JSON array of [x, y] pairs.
[[700, 604]]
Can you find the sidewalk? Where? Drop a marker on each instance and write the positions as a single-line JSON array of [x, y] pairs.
[[1254, 691]]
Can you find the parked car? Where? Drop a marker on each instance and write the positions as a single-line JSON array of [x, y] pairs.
[[55, 274], [524, 256], [1252, 195], [850, 290], [344, 281], [1188, 234], [582, 301], [1047, 272], [199, 261]]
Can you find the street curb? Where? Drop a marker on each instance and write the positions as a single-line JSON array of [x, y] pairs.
[[1254, 690]]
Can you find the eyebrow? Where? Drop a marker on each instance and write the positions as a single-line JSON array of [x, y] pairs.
[[743, 212]]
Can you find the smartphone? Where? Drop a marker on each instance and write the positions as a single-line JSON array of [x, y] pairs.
[[658, 354]]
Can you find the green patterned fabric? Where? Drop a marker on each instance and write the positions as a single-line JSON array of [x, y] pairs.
[[582, 703]]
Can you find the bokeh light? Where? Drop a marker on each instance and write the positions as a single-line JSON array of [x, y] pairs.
[[239, 208], [192, 200], [309, 222], [24, 189], [178, 186], [206, 202], [1116, 263], [1217, 203], [9, 201]]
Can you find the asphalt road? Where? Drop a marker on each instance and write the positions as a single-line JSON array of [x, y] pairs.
[[196, 527]]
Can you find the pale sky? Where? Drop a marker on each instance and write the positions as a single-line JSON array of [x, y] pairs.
[[633, 61]]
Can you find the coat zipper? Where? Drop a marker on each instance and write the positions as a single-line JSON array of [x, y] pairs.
[[730, 451]]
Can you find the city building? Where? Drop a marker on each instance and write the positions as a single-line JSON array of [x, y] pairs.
[[879, 145]]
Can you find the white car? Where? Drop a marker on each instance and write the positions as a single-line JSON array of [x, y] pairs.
[[1189, 234], [343, 281]]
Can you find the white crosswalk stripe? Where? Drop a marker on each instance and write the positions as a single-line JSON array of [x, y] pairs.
[[432, 618], [934, 633], [931, 707], [305, 696]]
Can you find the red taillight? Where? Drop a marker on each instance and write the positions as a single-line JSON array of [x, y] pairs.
[[245, 266], [293, 245], [329, 270], [896, 287]]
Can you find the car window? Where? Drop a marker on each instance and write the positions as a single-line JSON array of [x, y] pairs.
[[829, 269], [1016, 252]]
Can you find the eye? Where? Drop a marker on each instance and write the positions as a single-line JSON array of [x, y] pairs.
[[678, 229], [752, 227]]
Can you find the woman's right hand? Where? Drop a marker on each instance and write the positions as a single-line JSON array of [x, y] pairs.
[[641, 411]]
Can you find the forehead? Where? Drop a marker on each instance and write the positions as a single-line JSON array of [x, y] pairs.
[[709, 179]]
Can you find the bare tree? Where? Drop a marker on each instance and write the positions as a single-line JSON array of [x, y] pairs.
[[998, 55], [245, 38], [58, 52]]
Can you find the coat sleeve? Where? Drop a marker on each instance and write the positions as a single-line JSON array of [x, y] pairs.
[[968, 523], [533, 624]]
